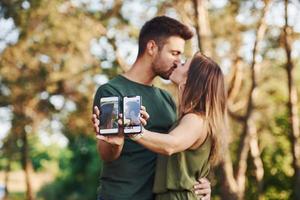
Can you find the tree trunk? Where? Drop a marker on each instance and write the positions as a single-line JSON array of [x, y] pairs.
[[294, 134], [6, 179], [245, 137], [27, 166], [203, 30], [236, 81], [229, 185], [255, 153], [239, 186]]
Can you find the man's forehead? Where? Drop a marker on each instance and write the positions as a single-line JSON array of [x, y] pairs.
[[175, 43]]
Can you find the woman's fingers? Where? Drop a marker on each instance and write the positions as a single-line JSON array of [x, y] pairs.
[[143, 121], [143, 108], [120, 122], [144, 115]]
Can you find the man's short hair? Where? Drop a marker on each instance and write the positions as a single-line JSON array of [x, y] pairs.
[[160, 29]]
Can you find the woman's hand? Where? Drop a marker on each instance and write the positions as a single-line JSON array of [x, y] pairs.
[[144, 116]]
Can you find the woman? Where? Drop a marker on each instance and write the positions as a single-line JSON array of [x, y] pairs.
[[195, 141]]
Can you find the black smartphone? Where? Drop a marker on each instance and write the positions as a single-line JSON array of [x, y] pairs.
[[109, 112], [131, 114]]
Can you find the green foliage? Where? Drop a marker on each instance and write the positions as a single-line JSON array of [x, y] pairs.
[[43, 155], [277, 160], [79, 170]]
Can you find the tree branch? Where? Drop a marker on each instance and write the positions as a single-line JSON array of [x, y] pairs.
[[294, 134], [245, 138]]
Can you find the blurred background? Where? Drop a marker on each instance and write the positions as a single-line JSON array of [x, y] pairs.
[[54, 54]]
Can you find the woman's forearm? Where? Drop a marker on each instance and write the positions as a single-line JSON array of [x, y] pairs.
[[186, 134], [160, 143]]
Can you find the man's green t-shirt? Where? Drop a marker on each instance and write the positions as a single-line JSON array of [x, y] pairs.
[[131, 176]]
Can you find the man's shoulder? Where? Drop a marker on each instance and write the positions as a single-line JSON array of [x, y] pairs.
[[111, 86], [165, 94], [108, 89]]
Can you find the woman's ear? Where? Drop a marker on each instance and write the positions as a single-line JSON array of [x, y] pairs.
[[152, 48]]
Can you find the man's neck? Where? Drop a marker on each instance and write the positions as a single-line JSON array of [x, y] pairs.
[[141, 72]]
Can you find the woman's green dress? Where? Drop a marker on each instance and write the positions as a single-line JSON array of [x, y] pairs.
[[176, 175]]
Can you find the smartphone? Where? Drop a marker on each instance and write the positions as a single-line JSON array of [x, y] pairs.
[[131, 114], [109, 112]]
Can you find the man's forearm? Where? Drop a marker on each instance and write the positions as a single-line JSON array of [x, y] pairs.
[[108, 152]]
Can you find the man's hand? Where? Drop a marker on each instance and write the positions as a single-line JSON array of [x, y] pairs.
[[111, 139], [95, 120], [202, 188]]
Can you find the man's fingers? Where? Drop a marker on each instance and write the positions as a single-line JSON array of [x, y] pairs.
[[102, 137], [143, 108], [202, 191], [96, 128], [203, 180], [96, 111], [94, 118], [95, 123], [202, 185], [207, 197]]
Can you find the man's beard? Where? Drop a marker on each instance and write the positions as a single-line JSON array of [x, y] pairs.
[[163, 74]]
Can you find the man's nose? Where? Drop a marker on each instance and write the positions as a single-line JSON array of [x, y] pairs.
[[177, 63]]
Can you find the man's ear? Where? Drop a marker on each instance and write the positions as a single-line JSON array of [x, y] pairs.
[[152, 48]]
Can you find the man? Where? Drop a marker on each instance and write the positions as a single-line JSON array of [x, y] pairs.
[[128, 168]]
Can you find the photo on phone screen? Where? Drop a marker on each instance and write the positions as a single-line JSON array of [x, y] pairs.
[[109, 111], [131, 114]]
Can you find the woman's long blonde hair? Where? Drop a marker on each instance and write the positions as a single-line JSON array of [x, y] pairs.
[[205, 94]]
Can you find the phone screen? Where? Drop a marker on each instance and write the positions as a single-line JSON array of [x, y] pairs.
[[109, 111], [131, 114]]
